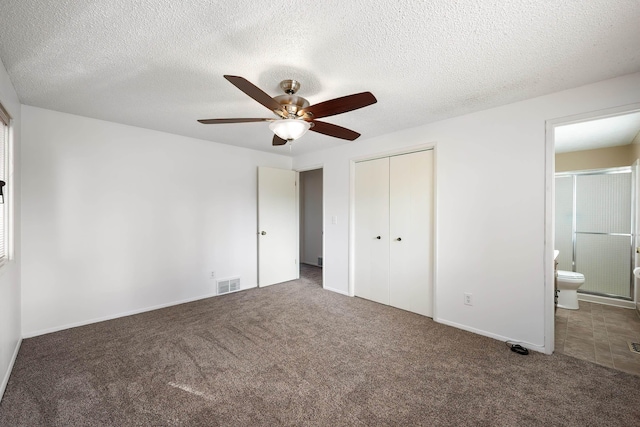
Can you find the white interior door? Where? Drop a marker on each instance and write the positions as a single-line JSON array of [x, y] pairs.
[[371, 251], [411, 232], [277, 226]]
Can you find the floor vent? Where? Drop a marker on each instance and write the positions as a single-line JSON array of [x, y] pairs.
[[634, 347], [228, 285]]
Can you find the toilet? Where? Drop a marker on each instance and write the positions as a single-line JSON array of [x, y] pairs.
[[568, 284]]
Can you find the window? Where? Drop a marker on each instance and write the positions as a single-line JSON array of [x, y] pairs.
[[4, 176]]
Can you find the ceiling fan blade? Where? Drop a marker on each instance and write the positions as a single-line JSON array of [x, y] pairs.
[[340, 105], [254, 92], [218, 121], [278, 141], [334, 130]]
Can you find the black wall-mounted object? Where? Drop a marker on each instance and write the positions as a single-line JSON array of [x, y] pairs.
[[2, 184]]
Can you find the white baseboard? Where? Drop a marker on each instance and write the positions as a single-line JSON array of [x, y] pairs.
[[606, 300], [530, 346], [118, 315], [336, 291], [311, 264], [5, 380]]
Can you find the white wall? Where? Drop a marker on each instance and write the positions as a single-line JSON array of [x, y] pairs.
[[490, 207], [311, 215], [10, 335], [118, 219]]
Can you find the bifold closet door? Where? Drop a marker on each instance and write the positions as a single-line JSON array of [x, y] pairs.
[[394, 231], [411, 232], [372, 230]]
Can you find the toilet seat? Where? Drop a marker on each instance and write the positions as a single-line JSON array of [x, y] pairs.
[[570, 276]]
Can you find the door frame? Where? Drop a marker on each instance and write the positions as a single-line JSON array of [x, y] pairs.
[[549, 203], [352, 189], [324, 219]]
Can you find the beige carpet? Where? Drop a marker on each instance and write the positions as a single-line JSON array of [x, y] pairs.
[[294, 354]]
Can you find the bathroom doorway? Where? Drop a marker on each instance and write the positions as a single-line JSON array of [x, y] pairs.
[[591, 218]]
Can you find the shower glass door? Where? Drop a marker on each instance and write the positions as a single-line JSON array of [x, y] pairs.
[[564, 222], [597, 206]]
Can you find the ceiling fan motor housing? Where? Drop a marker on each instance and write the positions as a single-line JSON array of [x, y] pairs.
[[291, 103]]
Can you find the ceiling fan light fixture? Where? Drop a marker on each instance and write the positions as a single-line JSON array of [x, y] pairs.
[[297, 116], [289, 129]]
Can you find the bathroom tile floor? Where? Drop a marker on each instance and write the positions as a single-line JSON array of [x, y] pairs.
[[599, 333]]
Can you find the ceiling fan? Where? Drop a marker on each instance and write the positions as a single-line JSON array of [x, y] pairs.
[[295, 115]]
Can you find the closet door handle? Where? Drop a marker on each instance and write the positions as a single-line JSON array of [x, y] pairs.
[[378, 237], [399, 239]]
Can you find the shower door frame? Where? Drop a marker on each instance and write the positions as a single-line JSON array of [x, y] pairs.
[[632, 238]]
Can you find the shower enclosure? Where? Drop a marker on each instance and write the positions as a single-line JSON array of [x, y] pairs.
[[594, 221]]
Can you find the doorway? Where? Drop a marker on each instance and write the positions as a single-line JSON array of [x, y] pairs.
[[311, 225], [584, 153]]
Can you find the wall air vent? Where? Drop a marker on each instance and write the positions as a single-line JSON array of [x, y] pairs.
[[228, 285]]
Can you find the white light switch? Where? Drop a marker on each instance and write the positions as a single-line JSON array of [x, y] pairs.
[[334, 219]]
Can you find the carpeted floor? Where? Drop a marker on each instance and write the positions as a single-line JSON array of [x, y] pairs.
[[295, 354]]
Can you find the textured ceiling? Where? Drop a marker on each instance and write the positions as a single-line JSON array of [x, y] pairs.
[[599, 133], [159, 64]]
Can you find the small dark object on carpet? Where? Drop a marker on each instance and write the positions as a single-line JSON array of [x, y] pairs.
[[517, 348]]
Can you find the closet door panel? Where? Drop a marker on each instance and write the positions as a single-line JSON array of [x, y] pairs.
[[411, 232], [371, 275]]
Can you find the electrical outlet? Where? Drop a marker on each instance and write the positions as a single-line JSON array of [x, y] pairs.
[[467, 299], [213, 275]]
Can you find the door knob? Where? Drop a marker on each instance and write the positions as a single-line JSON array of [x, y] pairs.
[[378, 237], [263, 233], [399, 239]]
